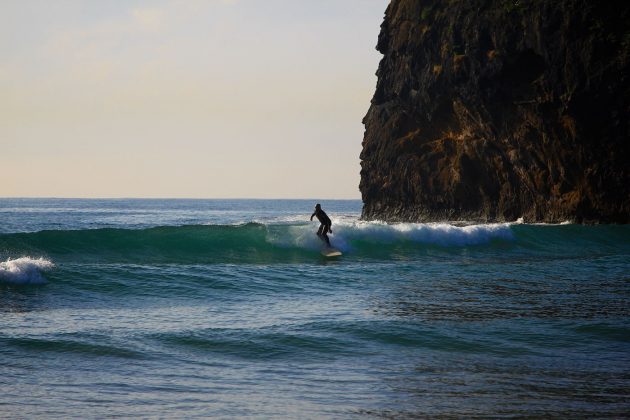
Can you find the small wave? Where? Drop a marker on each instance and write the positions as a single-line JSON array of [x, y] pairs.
[[257, 344], [24, 270], [64, 345]]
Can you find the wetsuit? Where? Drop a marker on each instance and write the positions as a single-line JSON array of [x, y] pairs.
[[325, 226]]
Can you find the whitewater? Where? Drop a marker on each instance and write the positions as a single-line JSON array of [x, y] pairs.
[[226, 308]]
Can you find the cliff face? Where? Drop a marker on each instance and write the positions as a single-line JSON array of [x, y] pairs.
[[499, 109]]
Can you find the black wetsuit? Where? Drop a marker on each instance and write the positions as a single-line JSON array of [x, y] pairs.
[[325, 226]]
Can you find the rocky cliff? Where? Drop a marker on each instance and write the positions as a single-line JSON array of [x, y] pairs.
[[499, 109]]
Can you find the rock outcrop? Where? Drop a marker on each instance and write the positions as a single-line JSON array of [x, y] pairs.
[[500, 109]]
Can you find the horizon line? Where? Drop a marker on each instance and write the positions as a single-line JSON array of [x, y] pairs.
[[172, 198]]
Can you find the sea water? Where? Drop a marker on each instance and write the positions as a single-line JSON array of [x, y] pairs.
[[226, 308]]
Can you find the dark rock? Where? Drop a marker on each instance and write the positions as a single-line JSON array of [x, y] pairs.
[[495, 110]]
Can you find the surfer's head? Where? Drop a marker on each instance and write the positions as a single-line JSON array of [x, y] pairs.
[[318, 206]]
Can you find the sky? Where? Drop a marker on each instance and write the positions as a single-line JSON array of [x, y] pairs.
[[185, 98]]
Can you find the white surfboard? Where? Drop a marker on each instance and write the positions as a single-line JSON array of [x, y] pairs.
[[331, 252]]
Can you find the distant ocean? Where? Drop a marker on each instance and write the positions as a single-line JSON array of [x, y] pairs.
[[226, 308]]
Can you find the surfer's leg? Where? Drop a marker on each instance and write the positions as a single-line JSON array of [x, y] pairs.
[[326, 236]]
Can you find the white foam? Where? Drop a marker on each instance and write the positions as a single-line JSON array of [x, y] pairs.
[[24, 270], [443, 234], [345, 231]]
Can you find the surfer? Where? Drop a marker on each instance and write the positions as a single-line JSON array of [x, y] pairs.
[[326, 224]]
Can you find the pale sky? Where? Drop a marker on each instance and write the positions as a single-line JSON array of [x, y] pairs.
[[185, 98]]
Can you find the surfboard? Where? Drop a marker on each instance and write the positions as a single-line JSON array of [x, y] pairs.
[[331, 252]]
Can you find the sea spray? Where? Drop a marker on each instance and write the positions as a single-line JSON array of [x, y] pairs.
[[442, 234], [24, 270], [346, 233]]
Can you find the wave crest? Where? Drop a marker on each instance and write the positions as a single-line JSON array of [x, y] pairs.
[[246, 243], [441, 234], [25, 270]]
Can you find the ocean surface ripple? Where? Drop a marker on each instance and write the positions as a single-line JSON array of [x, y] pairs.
[[226, 308]]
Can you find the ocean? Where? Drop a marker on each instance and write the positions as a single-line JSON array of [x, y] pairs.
[[158, 308]]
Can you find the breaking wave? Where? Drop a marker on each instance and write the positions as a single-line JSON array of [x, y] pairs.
[[27, 255], [24, 270]]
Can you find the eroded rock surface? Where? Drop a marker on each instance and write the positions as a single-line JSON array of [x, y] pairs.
[[496, 110]]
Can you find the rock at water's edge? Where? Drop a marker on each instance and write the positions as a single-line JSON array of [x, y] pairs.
[[496, 110]]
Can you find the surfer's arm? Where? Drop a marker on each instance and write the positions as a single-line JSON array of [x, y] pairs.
[[312, 216]]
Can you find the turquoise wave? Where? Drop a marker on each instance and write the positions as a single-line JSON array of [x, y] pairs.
[[256, 243], [186, 244]]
